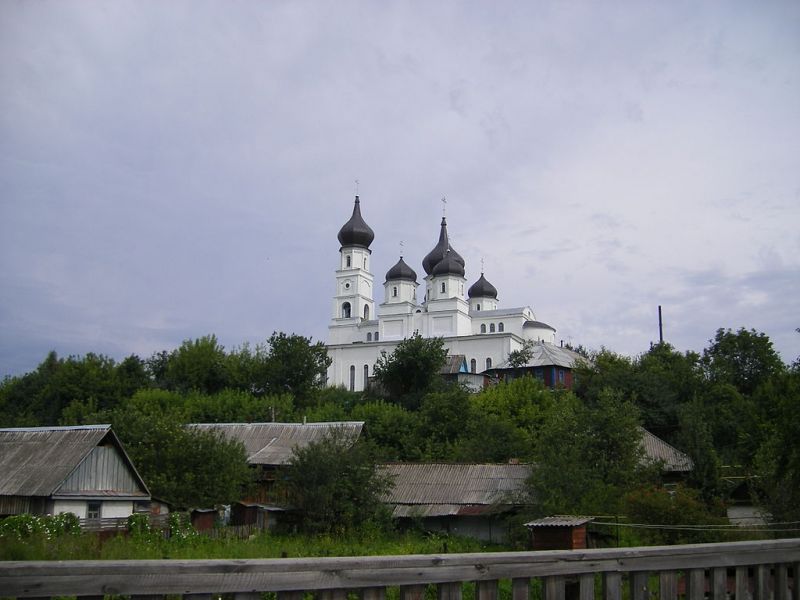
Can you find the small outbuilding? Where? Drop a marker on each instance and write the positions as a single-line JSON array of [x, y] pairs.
[[558, 533]]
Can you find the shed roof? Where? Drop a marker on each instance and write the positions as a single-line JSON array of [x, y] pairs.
[[273, 443], [657, 450], [436, 489], [35, 461], [559, 521]]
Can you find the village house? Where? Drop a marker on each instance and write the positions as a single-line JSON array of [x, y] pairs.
[[82, 470]]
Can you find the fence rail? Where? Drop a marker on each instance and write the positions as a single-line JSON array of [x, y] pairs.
[[759, 570]]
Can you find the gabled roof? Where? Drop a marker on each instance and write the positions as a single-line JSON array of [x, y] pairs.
[[273, 443], [657, 450], [438, 489], [36, 461], [454, 363]]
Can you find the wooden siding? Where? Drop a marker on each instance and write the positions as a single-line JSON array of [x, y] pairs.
[[103, 470]]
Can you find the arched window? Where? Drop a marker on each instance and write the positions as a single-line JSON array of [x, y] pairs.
[[491, 328], [365, 263], [366, 375], [352, 378], [443, 287], [500, 327], [376, 336], [488, 363], [366, 312], [394, 292], [369, 336], [473, 366], [346, 310], [347, 260], [477, 307], [483, 327]]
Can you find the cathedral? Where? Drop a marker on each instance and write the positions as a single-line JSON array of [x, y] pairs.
[[470, 320]]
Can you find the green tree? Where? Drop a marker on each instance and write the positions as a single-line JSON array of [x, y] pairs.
[[197, 365], [335, 485], [411, 370], [295, 366], [696, 440], [391, 429], [443, 417], [744, 359]]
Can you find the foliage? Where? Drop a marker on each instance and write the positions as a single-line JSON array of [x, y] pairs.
[[50, 526], [391, 429], [519, 358], [411, 370], [744, 359], [197, 365], [335, 484], [697, 441]]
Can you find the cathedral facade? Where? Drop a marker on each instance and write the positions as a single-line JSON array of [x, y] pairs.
[[469, 320]]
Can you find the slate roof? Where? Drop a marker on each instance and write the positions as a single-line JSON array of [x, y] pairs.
[[559, 521], [672, 459], [544, 354], [273, 443], [454, 363], [35, 461], [438, 489]]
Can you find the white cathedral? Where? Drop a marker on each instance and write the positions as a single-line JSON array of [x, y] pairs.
[[471, 325]]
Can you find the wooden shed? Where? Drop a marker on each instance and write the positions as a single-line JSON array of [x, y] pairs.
[[558, 533]]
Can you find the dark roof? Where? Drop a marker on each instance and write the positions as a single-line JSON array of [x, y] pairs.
[[401, 271], [273, 443], [438, 253], [449, 265], [538, 325], [437, 489], [356, 232], [482, 289], [559, 521], [36, 461]]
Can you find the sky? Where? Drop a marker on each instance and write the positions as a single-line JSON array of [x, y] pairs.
[[175, 169]]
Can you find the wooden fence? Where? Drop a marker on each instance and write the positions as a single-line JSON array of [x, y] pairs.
[[757, 570]]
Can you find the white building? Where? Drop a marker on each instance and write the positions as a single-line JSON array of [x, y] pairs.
[[472, 323]]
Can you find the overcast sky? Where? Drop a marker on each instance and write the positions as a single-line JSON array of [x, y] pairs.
[[173, 169]]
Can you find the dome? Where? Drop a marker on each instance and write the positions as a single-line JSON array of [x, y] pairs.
[[356, 232], [438, 253], [449, 265], [482, 289], [401, 271]]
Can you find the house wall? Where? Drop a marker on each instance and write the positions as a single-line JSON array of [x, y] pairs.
[[103, 469], [76, 507], [108, 508], [17, 505], [117, 508]]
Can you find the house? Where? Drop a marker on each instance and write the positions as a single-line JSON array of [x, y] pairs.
[[551, 364], [674, 463], [463, 499], [83, 470], [455, 370], [559, 533], [270, 446]]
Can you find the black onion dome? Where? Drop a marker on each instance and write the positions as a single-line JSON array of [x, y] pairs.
[[401, 271], [482, 289], [436, 255], [449, 265], [356, 232]]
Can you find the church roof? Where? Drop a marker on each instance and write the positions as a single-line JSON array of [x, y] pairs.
[[356, 232], [482, 289], [401, 271], [436, 255], [538, 325], [449, 265]]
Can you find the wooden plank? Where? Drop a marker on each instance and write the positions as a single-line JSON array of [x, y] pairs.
[[373, 593], [796, 581], [719, 583], [486, 590], [586, 583], [612, 586], [761, 589], [520, 588], [449, 591], [695, 584], [782, 582], [553, 588], [639, 586], [668, 585], [412, 592], [742, 589]]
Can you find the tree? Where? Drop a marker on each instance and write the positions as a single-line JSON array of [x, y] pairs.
[[411, 370], [197, 365], [294, 366], [744, 359], [519, 358], [335, 484]]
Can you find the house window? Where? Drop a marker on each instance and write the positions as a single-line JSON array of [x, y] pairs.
[[491, 328], [500, 327], [346, 310], [369, 336], [488, 363], [352, 378], [561, 376], [394, 292], [366, 312], [366, 375], [376, 336], [483, 327], [443, 287], [473, 366], [93, 509], [477, 307], [347, 260]]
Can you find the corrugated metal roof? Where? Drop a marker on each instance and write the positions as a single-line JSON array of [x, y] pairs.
[[559, 521], [436, 488], [273, 443], [657, 449], [453, 364], [545, 354], [35, 461]]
